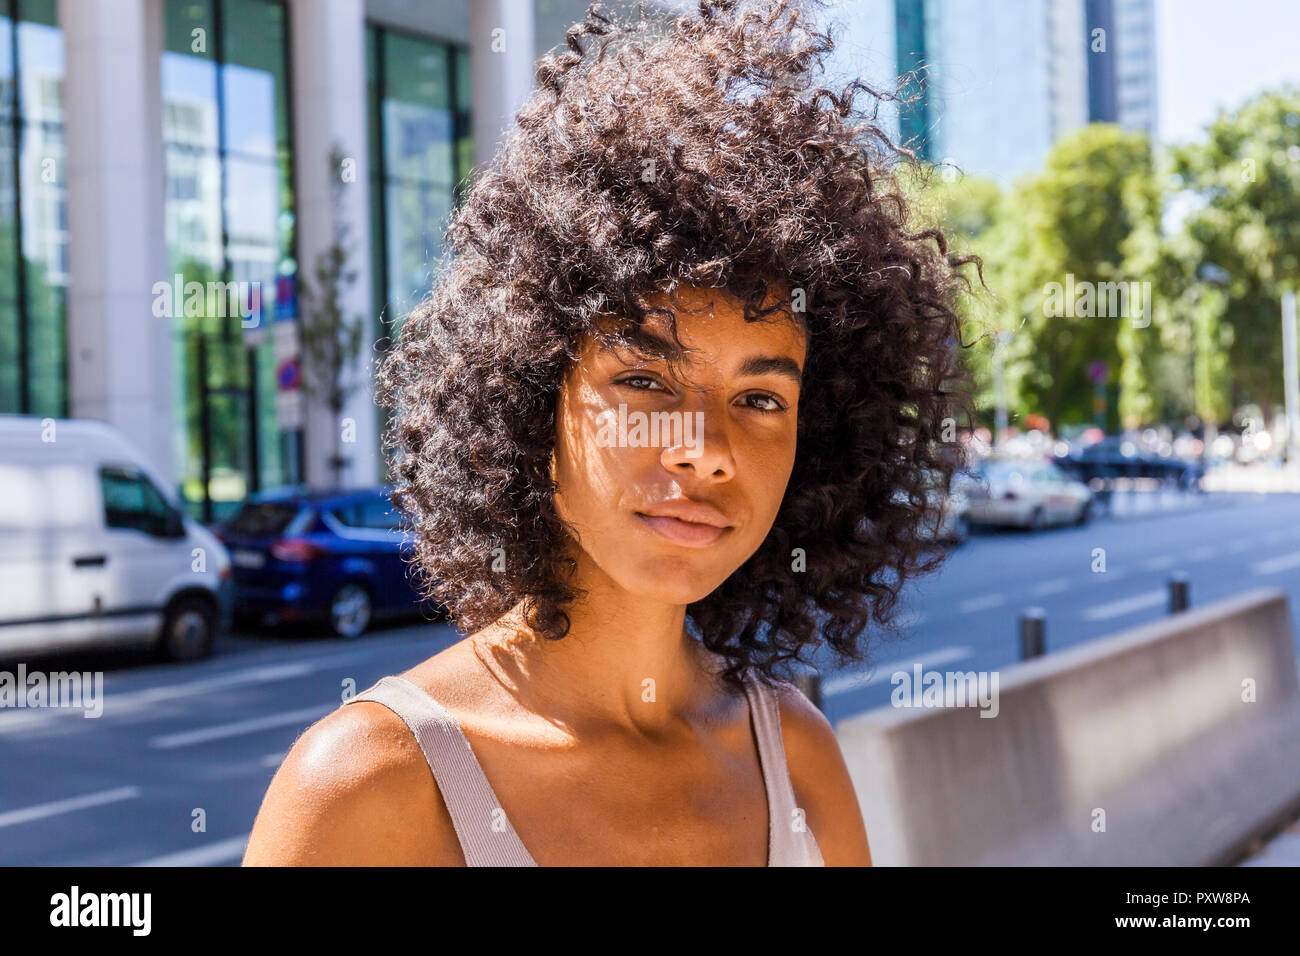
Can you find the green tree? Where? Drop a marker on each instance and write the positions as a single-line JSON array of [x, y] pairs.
[[1089, 216], [1245, 177], [331, 337]]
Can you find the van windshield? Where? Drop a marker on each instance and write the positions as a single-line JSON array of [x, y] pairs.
[[262, 519]]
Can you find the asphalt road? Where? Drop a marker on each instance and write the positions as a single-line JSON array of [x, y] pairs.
[[174, 770]]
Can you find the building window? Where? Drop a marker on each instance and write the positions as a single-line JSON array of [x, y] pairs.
[[420, 154], [228, 219], [420, 151], [33, 217]]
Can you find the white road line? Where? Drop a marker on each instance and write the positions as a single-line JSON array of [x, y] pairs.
[[1159, 564], [115, 704], [223, 851], [878, 673], [274, 760], [42, 810], [1055, 586], [252, 675], [1104, 612], [221, 731], [1274, 565], [981, 603], [909, 619]]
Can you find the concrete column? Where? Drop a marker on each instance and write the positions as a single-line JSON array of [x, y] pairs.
[[119, 353], [502, 51], [327, 40]]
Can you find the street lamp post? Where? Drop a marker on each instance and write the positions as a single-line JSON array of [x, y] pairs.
[[999, 388]]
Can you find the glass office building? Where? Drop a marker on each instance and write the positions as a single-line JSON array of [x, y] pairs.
[[154, 146], [33, 212]]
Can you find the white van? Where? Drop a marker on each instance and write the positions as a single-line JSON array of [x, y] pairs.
[[93, 553]]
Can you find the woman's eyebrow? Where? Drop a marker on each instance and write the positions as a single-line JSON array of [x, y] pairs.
[[651, 342], [772, 365]]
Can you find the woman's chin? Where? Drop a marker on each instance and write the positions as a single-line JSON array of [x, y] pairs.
[[678, 585]]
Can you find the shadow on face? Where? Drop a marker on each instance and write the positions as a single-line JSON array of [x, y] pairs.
[[671, 473]]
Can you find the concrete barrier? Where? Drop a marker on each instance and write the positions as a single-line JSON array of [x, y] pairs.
[[1136, 749]]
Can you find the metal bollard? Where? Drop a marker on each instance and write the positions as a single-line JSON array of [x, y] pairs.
[[1033, 633], [1179, 592], [810, 682]]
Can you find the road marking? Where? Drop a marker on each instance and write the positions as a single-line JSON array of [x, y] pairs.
[[238, 728], [274, 760], [909, 619], [981, 603], [1104, 612], [1052, 587], [13, 720], [253, 675], [842, 683], [223, 851], [1274, 565], [1159, 564], [42, 810]]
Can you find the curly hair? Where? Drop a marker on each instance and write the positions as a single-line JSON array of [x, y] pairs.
[[695, 149]]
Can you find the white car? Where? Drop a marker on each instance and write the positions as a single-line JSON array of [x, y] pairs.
[[1026, 493], [93, 553]]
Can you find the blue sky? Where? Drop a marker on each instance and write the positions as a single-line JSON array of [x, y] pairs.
[[1218, 53]]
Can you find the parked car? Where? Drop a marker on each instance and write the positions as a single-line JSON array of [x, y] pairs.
[[92, 552], [1117, 457], [1026, 493], [335, 557]]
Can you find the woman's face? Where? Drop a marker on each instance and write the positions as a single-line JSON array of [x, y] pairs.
[[638, 450]]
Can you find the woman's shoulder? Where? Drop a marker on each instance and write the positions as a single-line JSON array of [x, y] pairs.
[[820, 778], [356, 789]]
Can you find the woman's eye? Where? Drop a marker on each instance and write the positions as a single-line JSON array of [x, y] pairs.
[[639, 378], [773, 404]]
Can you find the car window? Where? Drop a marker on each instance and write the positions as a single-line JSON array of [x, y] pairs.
[[131, 501], [378, 514], [381, 514], [262, 519], [347, 515]]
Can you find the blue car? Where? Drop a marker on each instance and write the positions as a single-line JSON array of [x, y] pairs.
[[340, 558]]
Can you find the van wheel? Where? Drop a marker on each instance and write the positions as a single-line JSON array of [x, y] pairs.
[[189, 630], [350, 610]]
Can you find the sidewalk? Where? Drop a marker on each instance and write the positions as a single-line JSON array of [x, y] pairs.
[[1262, 478]]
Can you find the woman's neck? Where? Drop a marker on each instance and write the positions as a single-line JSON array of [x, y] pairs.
[[626, 660]]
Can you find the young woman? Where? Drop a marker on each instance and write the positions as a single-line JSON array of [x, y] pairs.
[[664, 428]]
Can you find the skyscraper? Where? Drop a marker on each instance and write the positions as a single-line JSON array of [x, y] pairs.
[[990, 87]]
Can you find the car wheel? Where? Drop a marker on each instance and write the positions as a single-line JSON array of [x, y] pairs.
[[1085, 514], [350, 610], [189, 630], [1037, 520]]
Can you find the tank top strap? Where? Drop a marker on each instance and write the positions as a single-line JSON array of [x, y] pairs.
[[487, 838], [790, 841]]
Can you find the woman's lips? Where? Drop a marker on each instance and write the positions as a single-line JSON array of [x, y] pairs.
[[687, 533]]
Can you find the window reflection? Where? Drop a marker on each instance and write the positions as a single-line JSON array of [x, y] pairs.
[[33, 214], [229, 218]]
